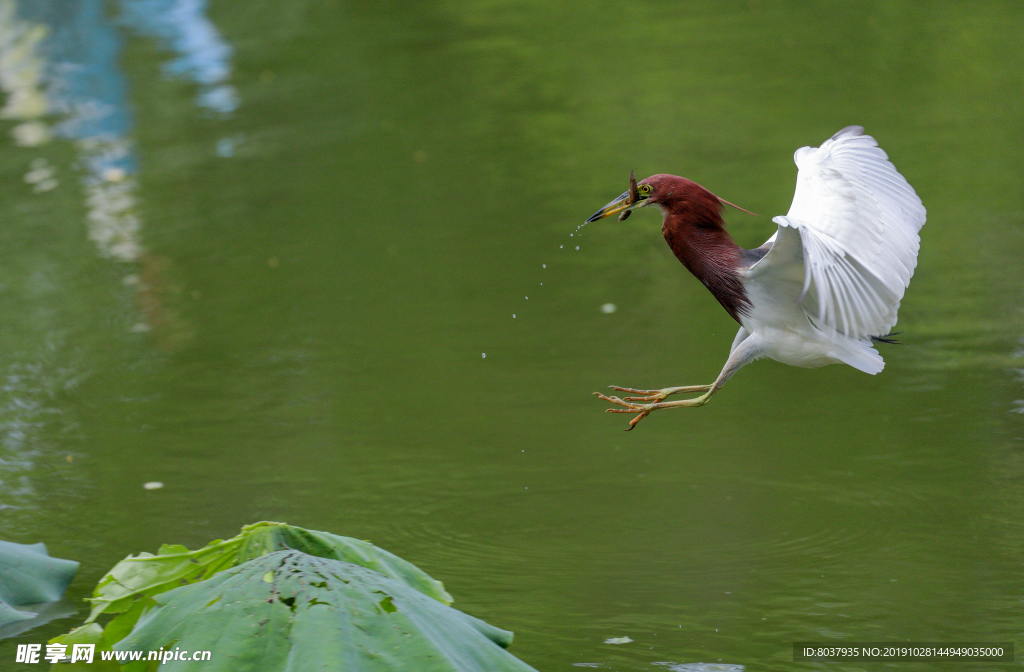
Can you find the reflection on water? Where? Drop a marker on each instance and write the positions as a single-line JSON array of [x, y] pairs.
[[62, 74], [701, 667], [44, 613], [200, 53], [61, 62], [1018, 404], [29, 418]]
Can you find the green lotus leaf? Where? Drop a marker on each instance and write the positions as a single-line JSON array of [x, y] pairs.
[[295, 612], [28, 575], [87, 634], [139, 578], [263, 538], [145, 575]]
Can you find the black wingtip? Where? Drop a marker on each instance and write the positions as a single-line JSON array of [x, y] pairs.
[[888, 338]]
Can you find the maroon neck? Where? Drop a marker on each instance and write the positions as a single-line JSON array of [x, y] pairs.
[[694, 229]]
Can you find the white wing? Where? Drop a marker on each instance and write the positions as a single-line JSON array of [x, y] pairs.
[[858, 223]]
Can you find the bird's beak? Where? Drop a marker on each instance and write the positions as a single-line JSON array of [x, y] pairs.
[[624, 204]]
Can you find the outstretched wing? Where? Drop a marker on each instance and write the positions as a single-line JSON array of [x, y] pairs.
[[858, 222]]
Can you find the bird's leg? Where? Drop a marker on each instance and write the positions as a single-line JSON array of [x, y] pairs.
[[659, 395], [744, 351], [741, 336]]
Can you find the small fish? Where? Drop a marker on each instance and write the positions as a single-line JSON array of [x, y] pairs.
[[634, 196]]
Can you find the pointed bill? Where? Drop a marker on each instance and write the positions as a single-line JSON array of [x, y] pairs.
[[623, 205]]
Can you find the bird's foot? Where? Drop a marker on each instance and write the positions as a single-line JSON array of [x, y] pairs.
[[656, 399]]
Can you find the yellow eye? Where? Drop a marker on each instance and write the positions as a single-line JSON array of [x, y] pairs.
[[645, 189]]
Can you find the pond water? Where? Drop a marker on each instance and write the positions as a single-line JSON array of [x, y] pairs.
[[319, 262]]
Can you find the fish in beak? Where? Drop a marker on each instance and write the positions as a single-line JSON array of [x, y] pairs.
[[623, 205]]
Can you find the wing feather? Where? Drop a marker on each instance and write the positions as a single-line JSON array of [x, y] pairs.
[[858, 221]]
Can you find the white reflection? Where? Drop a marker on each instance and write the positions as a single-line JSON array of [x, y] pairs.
[[62, 78]]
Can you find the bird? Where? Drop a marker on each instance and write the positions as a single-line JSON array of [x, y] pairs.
[[823, 289]]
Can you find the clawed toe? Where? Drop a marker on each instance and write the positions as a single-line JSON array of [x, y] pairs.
[[644, 395], [627, 407], [632, 391]]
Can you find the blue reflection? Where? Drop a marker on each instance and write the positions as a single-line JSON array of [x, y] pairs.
[[181, 26], [83, 78]]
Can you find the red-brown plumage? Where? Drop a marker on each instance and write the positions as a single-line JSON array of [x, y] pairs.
[[694, 229]]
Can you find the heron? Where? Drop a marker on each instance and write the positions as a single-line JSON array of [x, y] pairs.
[[822, 290]]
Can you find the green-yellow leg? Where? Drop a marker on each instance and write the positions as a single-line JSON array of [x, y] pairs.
[[745, 349], [656, 399], [659, 395]]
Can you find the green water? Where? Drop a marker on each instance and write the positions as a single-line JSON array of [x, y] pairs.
[[275, 266]]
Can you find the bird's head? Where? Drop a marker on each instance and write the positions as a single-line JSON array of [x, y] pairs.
[[639, 195], [669, 192]]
